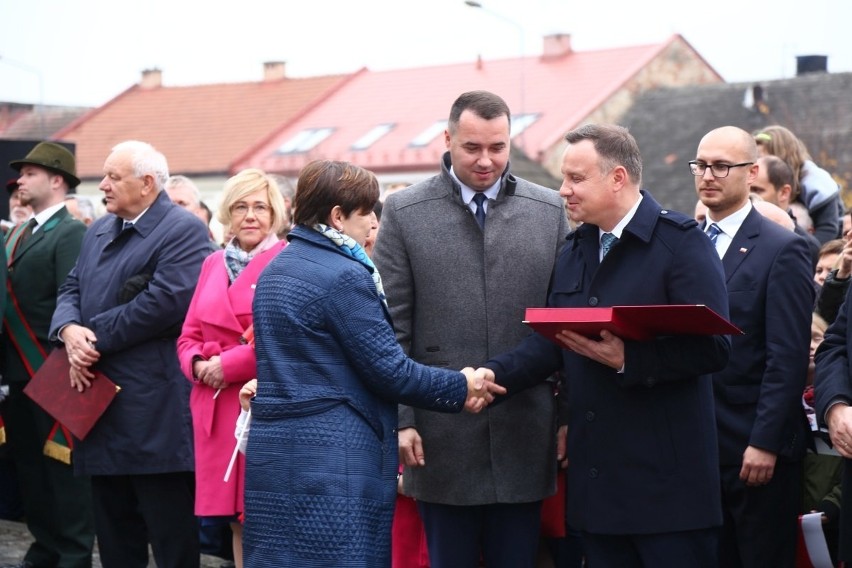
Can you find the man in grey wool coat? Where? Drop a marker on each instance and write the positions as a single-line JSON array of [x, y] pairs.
[[462, 254]]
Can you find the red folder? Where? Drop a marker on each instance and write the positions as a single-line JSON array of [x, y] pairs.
[[639, 323], [51, 389]]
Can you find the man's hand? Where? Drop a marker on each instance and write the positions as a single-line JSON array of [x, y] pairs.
[[411, 448], [247, 393], [758, 466], [80, 346], [481, 388], [844, 264], [81, 378], [608, 351], [839, 420], [561, 445]]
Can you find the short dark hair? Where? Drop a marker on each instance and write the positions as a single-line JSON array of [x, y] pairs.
[[481, 103], [203, 206], [615, 146], [779, 173], [323, 184]]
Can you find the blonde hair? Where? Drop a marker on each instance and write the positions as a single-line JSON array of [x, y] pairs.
[[244, 184], [781, 142], [819, 323]]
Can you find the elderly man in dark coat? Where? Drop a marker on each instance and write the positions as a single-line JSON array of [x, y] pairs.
[[120, 311]]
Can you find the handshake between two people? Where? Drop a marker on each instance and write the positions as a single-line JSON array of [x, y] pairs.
[[481, 388]]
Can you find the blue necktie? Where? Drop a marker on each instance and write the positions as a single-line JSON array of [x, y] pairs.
[[479, 199], [607, 240], [126, 225], [713, 232]]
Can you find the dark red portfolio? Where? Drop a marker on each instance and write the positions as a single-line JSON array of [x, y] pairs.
[[51, 389], [638, 323]]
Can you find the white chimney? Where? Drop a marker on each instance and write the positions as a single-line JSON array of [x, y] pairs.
[[557, 45], [274, 70], [151, 79]]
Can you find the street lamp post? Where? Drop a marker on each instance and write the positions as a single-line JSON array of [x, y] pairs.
[[520, 30]]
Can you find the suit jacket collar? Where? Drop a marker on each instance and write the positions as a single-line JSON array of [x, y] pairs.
[[641, 227], [41, 234], [146, 223], [743, 242]]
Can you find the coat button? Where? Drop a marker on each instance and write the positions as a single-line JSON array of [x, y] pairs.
[[593, 473], [593, 301], [590, 416]]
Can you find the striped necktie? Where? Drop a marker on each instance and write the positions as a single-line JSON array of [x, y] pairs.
[[607, 240], [28, 230], [713, 232]]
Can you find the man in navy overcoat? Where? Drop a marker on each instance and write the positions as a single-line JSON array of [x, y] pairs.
[[120, 311], [643, 473]]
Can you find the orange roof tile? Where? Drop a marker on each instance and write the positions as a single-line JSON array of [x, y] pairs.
[[201, 129]]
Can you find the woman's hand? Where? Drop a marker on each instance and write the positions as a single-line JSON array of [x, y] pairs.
[[481, 388], [210, 372]]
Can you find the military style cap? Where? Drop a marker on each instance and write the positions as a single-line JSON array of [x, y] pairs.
[[54, 157]]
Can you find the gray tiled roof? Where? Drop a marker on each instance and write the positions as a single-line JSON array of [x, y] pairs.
[[668, 124]]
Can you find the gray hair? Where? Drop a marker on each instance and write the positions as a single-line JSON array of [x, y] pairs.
[[146, 160], [183, 181], [84, 204], [285, 186]]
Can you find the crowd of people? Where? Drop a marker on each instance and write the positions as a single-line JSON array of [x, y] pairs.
[[296, 388]]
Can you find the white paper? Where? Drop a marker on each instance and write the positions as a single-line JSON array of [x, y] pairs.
[[815, 540]]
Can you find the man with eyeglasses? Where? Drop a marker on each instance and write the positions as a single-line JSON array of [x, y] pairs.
[[761, 426]]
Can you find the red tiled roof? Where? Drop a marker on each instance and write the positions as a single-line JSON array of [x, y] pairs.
[[200, 129], [562, 90]]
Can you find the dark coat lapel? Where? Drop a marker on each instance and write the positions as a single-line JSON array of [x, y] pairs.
[[40, 234], [743, 243]]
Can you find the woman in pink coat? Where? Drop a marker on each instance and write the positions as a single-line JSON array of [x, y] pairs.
[[212, 351]]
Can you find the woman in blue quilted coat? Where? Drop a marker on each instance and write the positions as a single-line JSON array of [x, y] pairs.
[[321, 460]]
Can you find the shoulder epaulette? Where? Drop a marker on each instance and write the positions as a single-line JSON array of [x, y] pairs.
[[677, 219]]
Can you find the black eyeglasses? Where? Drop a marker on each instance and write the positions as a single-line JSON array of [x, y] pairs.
[[718, 170]]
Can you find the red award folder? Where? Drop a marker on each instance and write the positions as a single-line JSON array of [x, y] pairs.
[[51, 389], [639, 323]]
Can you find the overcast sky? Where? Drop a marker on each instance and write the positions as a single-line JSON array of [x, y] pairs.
[[86, 52]]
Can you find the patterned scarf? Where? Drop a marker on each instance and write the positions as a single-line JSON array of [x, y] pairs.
[[236, 258], [349, 247]]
